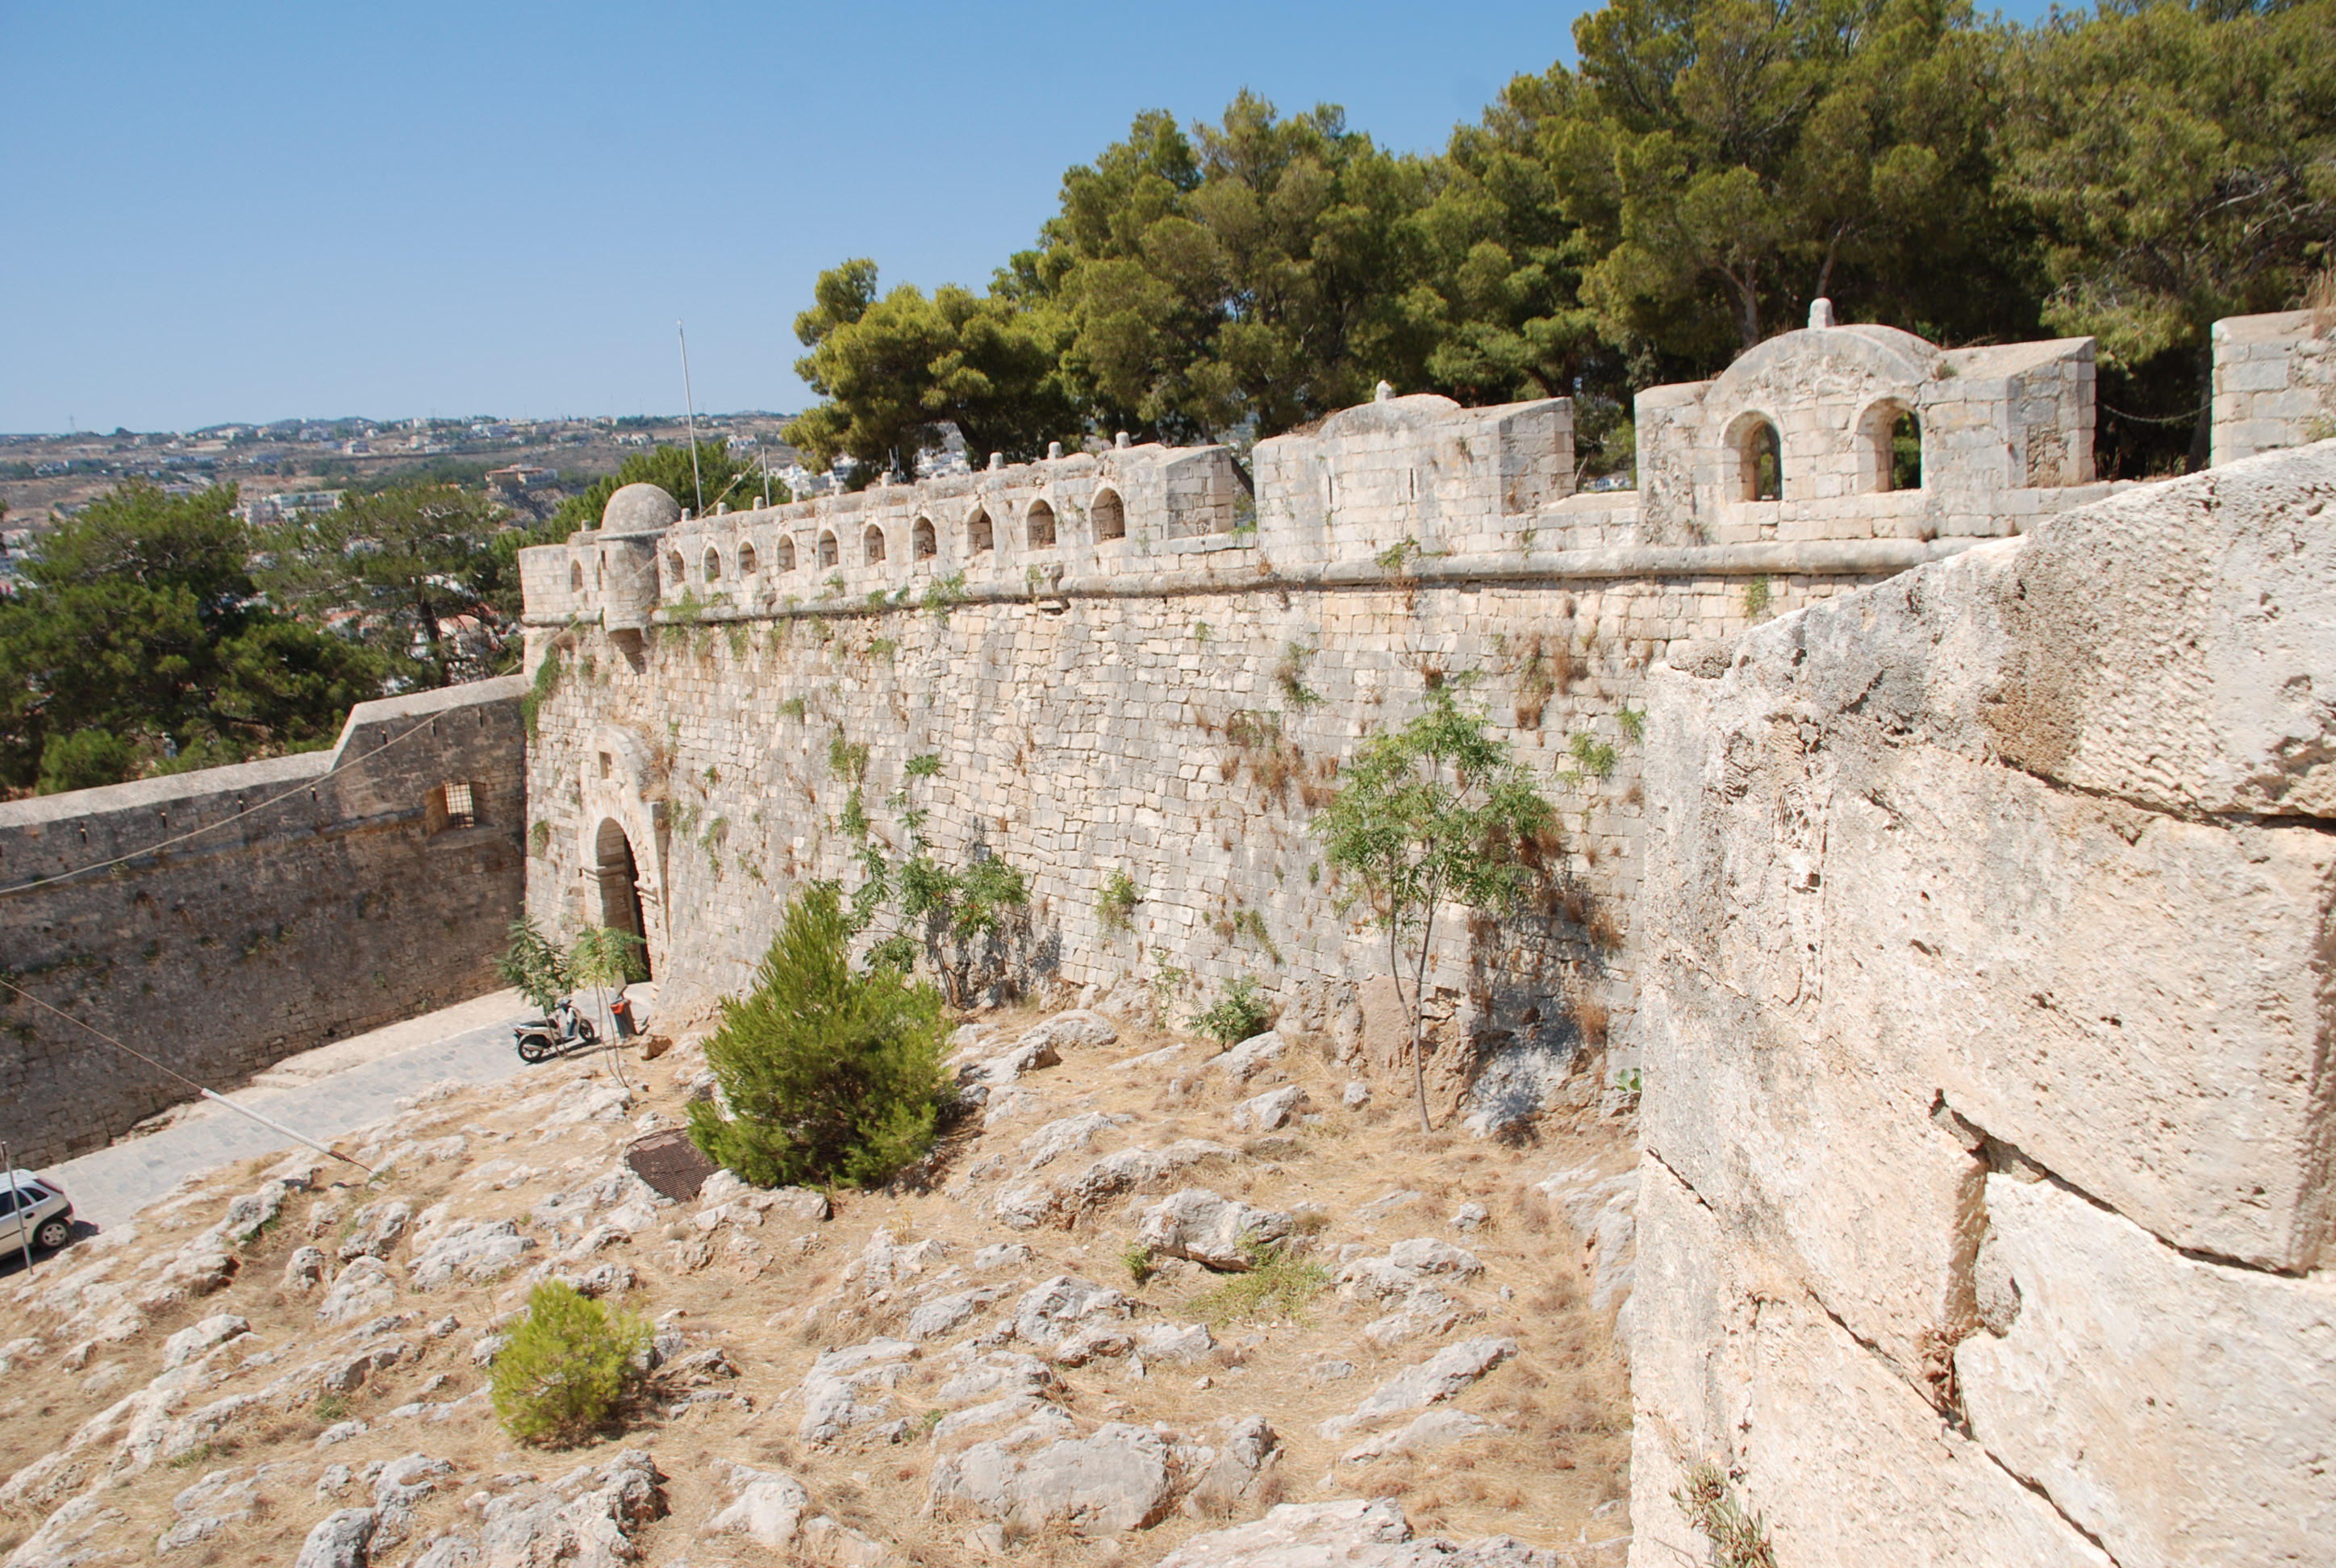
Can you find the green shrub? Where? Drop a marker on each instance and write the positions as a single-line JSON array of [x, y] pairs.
[[568, 1363], [1236, 1015], [1140, 1263], [831, 1074]]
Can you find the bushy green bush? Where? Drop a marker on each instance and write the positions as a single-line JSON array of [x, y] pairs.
[[568, 1363], [829, 1074], [1236, 1015]]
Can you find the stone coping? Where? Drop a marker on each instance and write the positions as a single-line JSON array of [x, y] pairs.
[[1251, 570]]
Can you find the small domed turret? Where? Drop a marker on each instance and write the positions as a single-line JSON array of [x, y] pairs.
[[639, 508]]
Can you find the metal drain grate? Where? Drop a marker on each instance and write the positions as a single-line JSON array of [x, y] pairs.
[[670, 1163]]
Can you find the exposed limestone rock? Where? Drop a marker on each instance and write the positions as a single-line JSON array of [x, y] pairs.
[[1439, 1377], [304, 1271], [1228, 1479], [1064, 1305], [1271, 1111], [377, 1228], [585, 1519], [1068, 1135], [201, 1338], [1117, 1479], [341, 1540], [472, 1250], [1353, 1532], [1206, 1228], [360, 1289], [943, 1313], [773, 1509], [1079, 1028], [851, 1387], [1249, 1059]]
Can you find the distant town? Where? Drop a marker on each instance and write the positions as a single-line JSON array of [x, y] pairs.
[[284, 469]]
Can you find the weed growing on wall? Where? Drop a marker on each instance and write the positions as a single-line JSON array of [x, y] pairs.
[[1756, 595], [1115, 910], [1710, 1506], [1434, 813], [944, 594], [1290, 675], [831, 1074], [541, 691], [568, 1365]]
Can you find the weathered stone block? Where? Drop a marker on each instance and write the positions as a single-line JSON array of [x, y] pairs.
[[2180, 1411]]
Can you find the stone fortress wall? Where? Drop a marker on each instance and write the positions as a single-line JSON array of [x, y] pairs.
[[1147, 660], [296, 901], [1986, 1024]]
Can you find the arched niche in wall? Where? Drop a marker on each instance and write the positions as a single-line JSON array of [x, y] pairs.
[[677, 569], [980, 535], [747, 559], [576, 577], [1889, 442], [785, 552], [829, 555], [1038, 526], [1110, 515], [923, 542], [712, 565], [872, 544], [1756, 460]]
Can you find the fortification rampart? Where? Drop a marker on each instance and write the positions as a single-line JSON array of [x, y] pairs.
[[291, 902], [1148, 660], [1986, 1026]]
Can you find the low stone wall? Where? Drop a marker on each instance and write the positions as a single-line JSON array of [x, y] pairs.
[[294, 902], [2275, 382], [1986, 1024]]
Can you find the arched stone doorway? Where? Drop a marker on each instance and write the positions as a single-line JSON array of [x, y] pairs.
[[620, 885]]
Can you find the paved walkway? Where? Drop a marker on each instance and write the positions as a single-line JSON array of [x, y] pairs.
[[323, 1093]]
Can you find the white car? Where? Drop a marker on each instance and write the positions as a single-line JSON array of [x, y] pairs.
[[34, 1207]]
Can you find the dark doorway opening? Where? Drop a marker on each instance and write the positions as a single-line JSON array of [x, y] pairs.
[[620, 888]]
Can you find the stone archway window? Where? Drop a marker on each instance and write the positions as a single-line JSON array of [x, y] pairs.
[[1040, 526], [1760, 461], [1890, 439], [676, 567], [1110, 515], [576, 577], [829, 555], [713, 566], [923, 543], [747, 559], [786, 553], [980, 536], [873, 542]]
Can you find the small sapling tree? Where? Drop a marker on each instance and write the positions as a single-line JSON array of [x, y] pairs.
[[831, 1074], [1437, 812]]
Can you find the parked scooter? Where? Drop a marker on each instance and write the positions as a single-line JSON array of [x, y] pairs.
[[569, 1028]]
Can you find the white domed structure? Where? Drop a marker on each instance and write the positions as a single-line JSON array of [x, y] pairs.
[[639, 508]]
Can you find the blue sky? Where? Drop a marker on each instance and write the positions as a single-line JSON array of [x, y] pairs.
[[248, 211]]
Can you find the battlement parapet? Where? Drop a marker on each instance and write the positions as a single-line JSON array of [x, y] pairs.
[[2275, 383], [1828, 436]]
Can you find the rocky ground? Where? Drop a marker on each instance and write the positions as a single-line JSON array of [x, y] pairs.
[[1055, 1348]]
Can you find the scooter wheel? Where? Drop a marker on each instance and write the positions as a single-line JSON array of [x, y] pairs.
[[534, 1049]]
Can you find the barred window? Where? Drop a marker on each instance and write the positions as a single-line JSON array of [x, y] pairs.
[[455, 804]]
